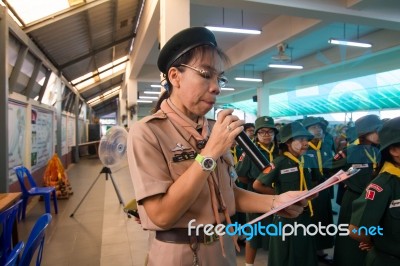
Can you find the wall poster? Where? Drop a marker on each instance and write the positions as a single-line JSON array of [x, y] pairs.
[[64, 145], [71, 133], [42, 141], [16, 137]]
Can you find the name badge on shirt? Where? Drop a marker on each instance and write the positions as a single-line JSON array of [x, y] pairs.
[[184, 156], [395, 204], [232, 173], [289, 170], [364, 165]]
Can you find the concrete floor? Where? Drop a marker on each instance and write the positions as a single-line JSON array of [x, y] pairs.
[[99, 233]]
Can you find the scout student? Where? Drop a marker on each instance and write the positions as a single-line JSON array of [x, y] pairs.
[[351, 139], [379, 205], [320, 152], [290, 171], [189, 177], [364, 156], [247, 171], [249, 128]]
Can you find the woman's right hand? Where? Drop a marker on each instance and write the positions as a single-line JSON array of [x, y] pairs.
[[294, 210], [224, 132]]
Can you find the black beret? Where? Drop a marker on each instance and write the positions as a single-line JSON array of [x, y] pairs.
[[181, 43]]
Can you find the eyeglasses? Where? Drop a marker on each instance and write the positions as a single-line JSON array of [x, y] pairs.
[[265, 133], [222, 80]]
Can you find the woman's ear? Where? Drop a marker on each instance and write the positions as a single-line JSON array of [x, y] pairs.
[[174, 77]]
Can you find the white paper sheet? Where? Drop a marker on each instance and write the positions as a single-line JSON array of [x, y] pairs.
[[336, 178]]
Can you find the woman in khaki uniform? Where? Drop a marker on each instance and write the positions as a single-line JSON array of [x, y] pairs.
[[181, 171], [379, 205]]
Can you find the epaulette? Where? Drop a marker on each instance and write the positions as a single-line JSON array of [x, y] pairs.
[[157, 115]]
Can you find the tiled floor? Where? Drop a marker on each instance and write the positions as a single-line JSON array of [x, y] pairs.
[[99, 233]]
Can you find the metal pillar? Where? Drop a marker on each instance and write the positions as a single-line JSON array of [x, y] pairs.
[[3, 100]]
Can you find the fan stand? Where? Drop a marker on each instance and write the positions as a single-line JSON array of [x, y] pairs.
[[106, 171]]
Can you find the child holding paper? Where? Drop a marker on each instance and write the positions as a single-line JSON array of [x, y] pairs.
[[290, 172]]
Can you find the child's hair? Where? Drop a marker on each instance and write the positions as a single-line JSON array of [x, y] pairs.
[[386, 157]]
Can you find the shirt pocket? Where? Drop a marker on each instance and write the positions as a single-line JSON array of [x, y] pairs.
[[394, 214], [178, 168]]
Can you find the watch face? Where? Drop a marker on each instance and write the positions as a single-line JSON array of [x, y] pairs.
[[208, 163]]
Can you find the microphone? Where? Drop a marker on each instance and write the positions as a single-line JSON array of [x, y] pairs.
[[253, 152]]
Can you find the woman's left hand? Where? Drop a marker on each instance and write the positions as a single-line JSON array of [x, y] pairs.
[[224, 132]]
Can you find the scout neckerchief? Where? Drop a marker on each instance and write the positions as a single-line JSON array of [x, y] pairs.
[[270, 152], [319, 157], [303, 184], [234, 154], [216, 197], [391, 169], [371, 158], [179, 118]]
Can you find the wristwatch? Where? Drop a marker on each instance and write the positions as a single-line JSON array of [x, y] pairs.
[[207, 163]]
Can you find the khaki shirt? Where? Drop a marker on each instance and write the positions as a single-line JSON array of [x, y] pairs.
[[159, 152]]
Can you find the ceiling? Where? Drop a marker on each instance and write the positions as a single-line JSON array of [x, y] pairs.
[[96, 33], [306, 27]]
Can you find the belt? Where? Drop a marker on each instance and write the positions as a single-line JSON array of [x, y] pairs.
[[181, 236]]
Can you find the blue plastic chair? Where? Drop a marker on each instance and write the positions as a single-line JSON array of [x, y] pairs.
[[46, 192], [7, 221], [13, 257], [35, 241]]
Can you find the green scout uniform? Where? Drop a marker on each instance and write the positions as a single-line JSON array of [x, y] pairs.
[[365, 158], [380, 203], [238, 217], [346, 250], [246, 168], [295, 250], [322, 204], [236, 153], [319, 153]]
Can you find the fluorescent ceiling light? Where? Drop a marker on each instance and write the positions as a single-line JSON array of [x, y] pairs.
[[105, 95], [285, 66], [144, 101], [152, 92], [227, 89], [248, 79], [233, 30], [349, 43], [155, 86], [148, 97]]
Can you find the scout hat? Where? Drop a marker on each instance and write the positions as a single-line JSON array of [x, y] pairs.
[[351, 134], [293, 130], [248, 125], [265, 121], [311, 120], [181, 43], [390, 133], [368, 124]]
